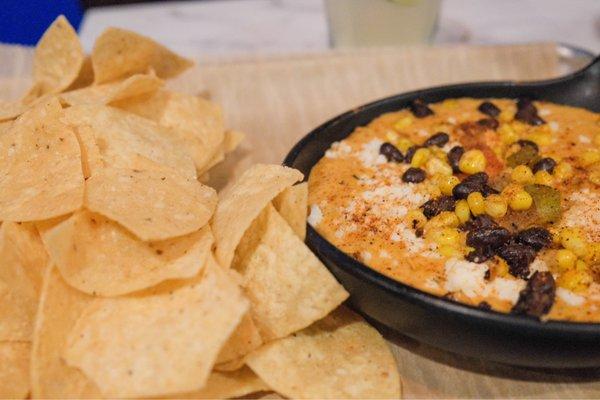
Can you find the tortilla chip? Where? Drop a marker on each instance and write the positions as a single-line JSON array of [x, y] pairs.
[[232, 140], [11, 109], [58, 57], [97, 256], [85, 76], [22, 263], [292, 205], [240, 203], [60, 307], [5, 127], [119, 53], [108, 93], [91, 159], [157, 344], [14, 370], [339, 357], [154, 205], [244, 339], [123, 139], [228, 385], [40, 174], [198, 123]]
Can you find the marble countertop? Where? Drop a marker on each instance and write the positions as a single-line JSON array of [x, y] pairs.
[[226, 27]]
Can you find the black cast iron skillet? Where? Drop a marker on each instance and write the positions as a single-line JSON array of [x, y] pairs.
[[436, 321]]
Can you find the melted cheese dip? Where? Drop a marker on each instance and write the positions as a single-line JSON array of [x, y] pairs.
[[359, 202]]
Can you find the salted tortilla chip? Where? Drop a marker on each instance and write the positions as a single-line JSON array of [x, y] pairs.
[[240, 203], [5, 127], [40, 173], [91, 158], [123, 139], [198, 123], [58, 57], [244, 339], [14, 370], [119, 53], [292, 205], [228, 385], [135, 85], [154, 205], [97, 256], [60, 307], [288, 287], [85, 76], [232, 140], [160, 343], [23, 260], [339, 357], [11, 109]]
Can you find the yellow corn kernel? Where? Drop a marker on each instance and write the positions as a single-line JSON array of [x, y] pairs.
[[462, 211], [416, 219], [507, 134], [403, 123], [438, 152], [593, 253], [420, 157], [445, 236], [437, 166], [543, 178], [445, 219], [450, 251], [495, 206], [574, 280], [563, 171], [472, 161], [597, 139], [565, 259], [589, 157], [555, 234], [575, 243], [541, 138], [505, 116], [476, 203], [392, 136], [594, 177], [447, 183], [501, 269], [580, 265], [522, 174], [520, 200], [403, 144]]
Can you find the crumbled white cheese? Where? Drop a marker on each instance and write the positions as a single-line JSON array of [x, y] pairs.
[[369, 154], [338, 149], [451, 120], [406, 235], [464, 276], [432, 284], [384, 254], [404, 192], [316, 216], [423, 132], [584, 213], [537, 266], [585, 139], [366, 256], [569, 297], [544, 112], [553, 125], [505, 289]]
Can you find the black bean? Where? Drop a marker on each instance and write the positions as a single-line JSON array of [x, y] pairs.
[[538, 296], [491, 236], [480, 255], [528, 113], [486, 190], [454, 156], [524, 142], [413, 175], [489, 123], [484, 305], [419, 108], [481, 221], [479, 177], [410, 153], [518, 257], [439, 140], [433, 207], [535, 237], [489, 108], [391, 152], [473, 183], [545, 164]]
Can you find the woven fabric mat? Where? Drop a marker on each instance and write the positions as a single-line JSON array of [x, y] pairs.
[[277, 100]]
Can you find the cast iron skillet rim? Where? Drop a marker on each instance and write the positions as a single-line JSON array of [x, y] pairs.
[[414, 295]]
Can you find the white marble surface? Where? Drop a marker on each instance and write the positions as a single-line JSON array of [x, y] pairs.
[[226, 27]]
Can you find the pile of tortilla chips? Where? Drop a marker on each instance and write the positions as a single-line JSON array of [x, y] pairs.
[[123, 276]]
